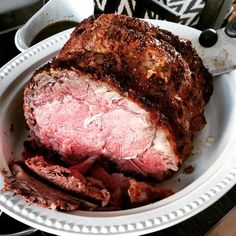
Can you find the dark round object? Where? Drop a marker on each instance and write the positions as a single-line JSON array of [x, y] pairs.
[[230, 28], [208, 38]]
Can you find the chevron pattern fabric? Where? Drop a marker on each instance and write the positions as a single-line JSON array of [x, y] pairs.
[[189, 9]]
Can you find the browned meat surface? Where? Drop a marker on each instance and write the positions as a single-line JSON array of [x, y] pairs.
[[127, 191], [178, 69], [141, 193], [62, 190], [121, 92], [41, 194], [68, 179], [116, 183]]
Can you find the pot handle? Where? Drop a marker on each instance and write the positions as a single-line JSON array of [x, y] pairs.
[[25, 232], [230, 28]]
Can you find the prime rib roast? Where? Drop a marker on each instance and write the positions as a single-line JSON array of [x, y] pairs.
[[124, 94]]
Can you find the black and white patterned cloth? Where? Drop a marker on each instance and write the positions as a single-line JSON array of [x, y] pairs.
[[189, 10]]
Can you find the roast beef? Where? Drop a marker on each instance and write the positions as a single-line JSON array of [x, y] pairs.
[[122, 89], [122, 99], [68, 179], [81, 115], [39, 193], [58, 188], [127, 192]]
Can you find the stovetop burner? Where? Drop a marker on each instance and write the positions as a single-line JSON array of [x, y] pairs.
[[12, 227]]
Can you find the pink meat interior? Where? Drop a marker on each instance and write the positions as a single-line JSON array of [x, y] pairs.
[[87, 118]]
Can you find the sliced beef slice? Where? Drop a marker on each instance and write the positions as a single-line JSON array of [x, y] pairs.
[[68, 179], [41, 194], [127, 191]]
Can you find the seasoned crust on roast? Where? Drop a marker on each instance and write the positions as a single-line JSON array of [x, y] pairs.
[[158, 71], [197, 84]]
